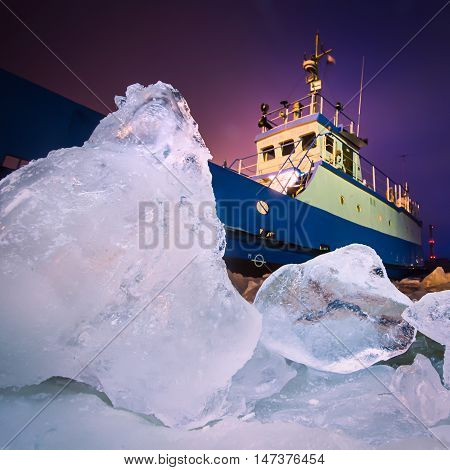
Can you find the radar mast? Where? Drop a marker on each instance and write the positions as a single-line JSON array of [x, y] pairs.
[[311, 68]]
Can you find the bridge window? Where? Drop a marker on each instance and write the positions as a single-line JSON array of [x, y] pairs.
[[287, 147], [268, 153], [329, 143], [309, 140]]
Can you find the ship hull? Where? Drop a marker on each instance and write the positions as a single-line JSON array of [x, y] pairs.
[[288, 230]]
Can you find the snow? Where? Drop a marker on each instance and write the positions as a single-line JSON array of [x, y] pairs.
[[338, 312], [83, 296]]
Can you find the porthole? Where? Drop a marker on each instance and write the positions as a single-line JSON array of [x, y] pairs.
[[358, 207], [262, 207], [389, 222], [342, 199]]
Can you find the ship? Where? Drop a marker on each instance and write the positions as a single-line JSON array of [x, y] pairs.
[[308, 190]]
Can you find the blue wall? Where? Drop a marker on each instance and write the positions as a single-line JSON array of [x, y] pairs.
[[34, 120]]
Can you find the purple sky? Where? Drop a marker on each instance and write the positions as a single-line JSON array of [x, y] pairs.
[[228, 57]]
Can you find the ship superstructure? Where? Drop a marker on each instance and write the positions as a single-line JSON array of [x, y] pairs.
[[312, 190]]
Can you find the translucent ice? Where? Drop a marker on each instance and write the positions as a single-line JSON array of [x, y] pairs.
[[338, 312], [431, 316], [419, 387], [79, 420], [111, 267], [362, 405], [263, 375], [315, 410], [446, 367]]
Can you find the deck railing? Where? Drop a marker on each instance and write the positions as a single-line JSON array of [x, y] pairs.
[[368, 175], [378, 181], [306, 106]]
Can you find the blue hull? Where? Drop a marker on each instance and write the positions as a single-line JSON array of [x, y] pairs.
[[293, 231]]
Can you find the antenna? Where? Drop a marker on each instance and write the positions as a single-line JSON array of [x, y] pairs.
[[311, 68], [311, 65], [360, 96], [317, 43]]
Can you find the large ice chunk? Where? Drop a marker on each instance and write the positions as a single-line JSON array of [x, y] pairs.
[[338, 312], [111, 267], [431, 316], [419, 387]]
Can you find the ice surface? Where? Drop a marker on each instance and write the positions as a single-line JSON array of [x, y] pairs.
[[316, 410], [446, 366], [79, 420], [419, 387], [129, 307], [362, 405], [264, 374], [338, 312], [431, 316]]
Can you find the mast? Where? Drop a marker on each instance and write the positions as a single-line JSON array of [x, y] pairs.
[[317, 43], [311, 68], [360, 96]]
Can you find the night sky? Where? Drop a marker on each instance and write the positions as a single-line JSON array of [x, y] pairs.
[[228, 57]]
